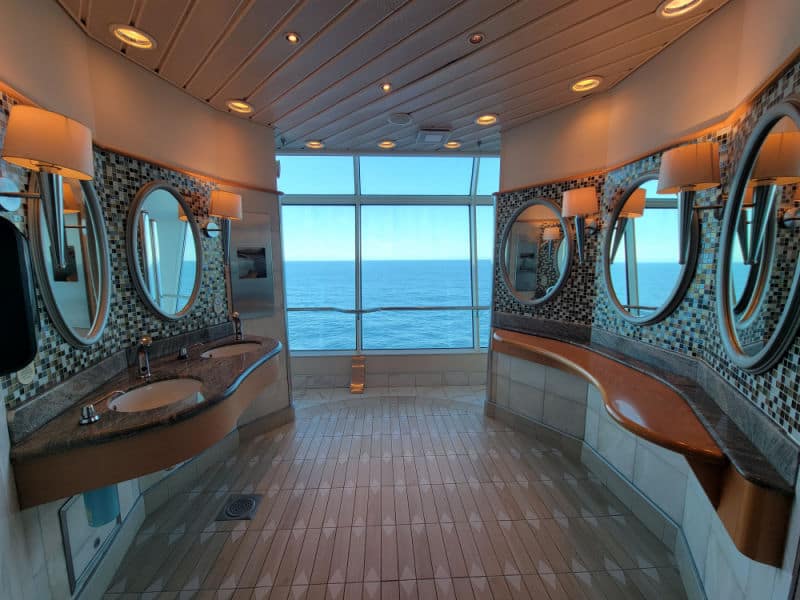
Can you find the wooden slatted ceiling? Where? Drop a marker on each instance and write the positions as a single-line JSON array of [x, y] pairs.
[[327, 87]]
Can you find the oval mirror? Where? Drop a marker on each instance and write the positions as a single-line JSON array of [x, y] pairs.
[[164, 251], [644, 279], [537, 251], [77, 294], [759, 311]]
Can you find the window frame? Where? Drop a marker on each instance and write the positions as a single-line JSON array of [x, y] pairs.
[[358, 200]]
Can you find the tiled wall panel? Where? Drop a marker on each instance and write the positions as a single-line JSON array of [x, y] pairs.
[[117, 179]]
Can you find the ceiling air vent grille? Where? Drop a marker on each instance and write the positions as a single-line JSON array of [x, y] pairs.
[[433, 137]]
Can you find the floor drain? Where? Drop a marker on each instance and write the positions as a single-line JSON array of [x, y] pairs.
[[239, 508]]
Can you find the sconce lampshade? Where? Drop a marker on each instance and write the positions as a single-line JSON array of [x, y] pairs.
[[226, 205], [72, 204], [550, 234], [634, 207], [779, 159], [38, 139], [691, 167], [580, 202]]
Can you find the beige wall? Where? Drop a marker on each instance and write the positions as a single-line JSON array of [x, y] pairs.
[[46, 57], [694, 83]]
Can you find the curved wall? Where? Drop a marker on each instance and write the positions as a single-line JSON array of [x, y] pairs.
[[46, 57], [695, 83]]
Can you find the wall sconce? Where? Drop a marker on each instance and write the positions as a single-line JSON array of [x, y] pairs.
[[228, 207], [684, 171], [581, 203], [55, 147], [633, 209], [790, 216], [778, 163], [551, 235]]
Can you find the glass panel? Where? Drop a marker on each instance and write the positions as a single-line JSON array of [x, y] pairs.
[[484, 231], [321, 331], [405, 330], [320, 267], [416, 175], [316, 175], [488, 175], [657, 266]]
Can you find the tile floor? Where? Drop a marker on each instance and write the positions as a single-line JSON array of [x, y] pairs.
[[398, 494]]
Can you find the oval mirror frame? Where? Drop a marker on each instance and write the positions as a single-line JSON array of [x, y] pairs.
[[788, 324], [132, 248], [36, 225], [684, 279], [570, 250]]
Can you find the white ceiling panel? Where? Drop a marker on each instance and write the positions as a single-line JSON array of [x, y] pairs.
[[326, 87]]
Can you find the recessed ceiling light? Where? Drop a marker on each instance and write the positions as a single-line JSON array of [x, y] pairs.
[[386, 87], [292, 37], [239, 106], [586, 84], [400, 119], [452, 145], [132, 36], [315, 144], [475, 38], [676, 8], [386, 144], [487, 119]]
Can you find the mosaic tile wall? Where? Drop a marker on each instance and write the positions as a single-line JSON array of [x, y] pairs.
[[117, 179], [691, 329], [575, 302]]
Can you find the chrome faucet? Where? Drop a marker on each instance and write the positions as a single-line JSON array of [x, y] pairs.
[[143, 356], [237, 326]]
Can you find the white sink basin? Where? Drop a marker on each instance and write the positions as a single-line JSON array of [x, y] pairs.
[[231, 350], [156, 394]]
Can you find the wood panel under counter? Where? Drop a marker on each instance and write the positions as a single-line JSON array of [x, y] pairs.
[[63, 458]]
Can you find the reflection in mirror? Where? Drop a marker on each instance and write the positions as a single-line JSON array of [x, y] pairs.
[[643, 273], [763, 256], [164, 249], [536, 252], [77, 294]]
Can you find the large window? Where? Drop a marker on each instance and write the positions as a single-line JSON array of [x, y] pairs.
[[405, 266]]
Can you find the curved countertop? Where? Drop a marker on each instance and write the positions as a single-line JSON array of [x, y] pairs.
[[62, 441]]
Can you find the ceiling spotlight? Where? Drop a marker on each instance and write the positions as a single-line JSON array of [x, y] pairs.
[[487, 119], [586, 84], [386, 87], [452, 145], [315, 144], [239, 106], [676, 8], [400, 119], [292, 37], [132, 36], [386, 144], [475, 38]]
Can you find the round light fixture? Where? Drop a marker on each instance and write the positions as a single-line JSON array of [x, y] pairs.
[[400, 119], [315, 144], [292, 37], [133, 36], [386, 144], [386, 87], [676, 8], [239, 106], [475, 38], [452, 145], [586, 84], [486, 120]]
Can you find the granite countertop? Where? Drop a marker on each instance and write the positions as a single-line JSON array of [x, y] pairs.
[[219, 377], [743, 454]]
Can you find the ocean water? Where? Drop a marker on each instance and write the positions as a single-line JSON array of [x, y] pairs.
[[386, 283], [416, 283]]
